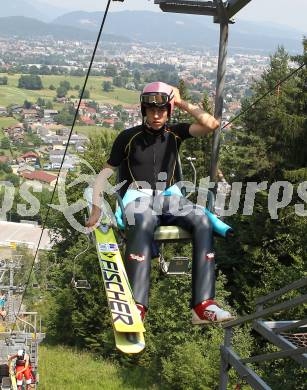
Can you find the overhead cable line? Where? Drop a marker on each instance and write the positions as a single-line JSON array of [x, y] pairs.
[[65, 151], [264, 95]]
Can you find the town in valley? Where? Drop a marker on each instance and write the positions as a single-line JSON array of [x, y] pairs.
[[41, 82]]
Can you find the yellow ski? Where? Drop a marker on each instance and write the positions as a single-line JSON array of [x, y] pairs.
[[126, 320], [12, 376]]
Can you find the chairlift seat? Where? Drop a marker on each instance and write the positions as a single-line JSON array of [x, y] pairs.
[[171, 233], [178, 265], [81, 284], [6, 383]]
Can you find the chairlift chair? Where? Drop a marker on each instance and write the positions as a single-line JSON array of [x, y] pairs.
[[80, 284], [179, 265], [6, 383]]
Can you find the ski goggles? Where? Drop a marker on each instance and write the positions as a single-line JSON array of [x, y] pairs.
[[155, 99]]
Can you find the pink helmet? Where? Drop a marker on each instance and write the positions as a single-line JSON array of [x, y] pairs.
[[157, 94]]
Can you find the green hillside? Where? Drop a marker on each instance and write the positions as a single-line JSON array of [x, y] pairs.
[[10, 94], [62, 368]]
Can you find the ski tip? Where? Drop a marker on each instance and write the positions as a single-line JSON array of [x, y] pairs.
[[130, 343]]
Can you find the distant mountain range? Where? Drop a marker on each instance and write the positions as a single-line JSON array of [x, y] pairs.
[[30, 8], [143, 26], [186, 29], [23, 27]]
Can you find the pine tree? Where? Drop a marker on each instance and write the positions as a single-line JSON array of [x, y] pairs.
[[277, 118]]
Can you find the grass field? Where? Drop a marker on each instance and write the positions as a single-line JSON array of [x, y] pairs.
[[6, 122], [88, 130], [61, 368], [10, 94]]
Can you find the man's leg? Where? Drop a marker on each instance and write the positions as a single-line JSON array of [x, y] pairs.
[[19, 376], [28, 377], [196, 221], [203, 267], [139, 249]]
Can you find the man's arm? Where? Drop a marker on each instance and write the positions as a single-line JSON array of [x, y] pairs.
[[100, 185], [11, 357], [27, 362], [206, 123]]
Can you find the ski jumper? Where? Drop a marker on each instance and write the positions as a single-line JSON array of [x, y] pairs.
[[2, 305], [142, 154], [20, 365]]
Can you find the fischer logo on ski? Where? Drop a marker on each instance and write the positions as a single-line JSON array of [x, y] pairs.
[[124, 313], [118, 302]]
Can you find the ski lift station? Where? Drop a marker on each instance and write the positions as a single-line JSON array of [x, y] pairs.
[[20, 329]]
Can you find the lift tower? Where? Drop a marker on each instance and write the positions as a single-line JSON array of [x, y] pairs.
[[9, 266], [222, 13]]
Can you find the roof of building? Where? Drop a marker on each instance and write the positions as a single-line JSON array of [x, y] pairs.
[[29, 154], [90, 110], [29, 111], [24, 233], [87, 120], [40, 176]]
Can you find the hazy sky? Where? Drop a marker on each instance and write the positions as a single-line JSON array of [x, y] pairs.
[[288, 12]]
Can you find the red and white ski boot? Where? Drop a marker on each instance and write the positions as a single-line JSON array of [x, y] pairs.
[[208, 312], [142, 309]]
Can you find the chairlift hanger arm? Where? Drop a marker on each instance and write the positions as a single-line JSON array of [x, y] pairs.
[[188, 7], [210, 8], [79, 254]]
